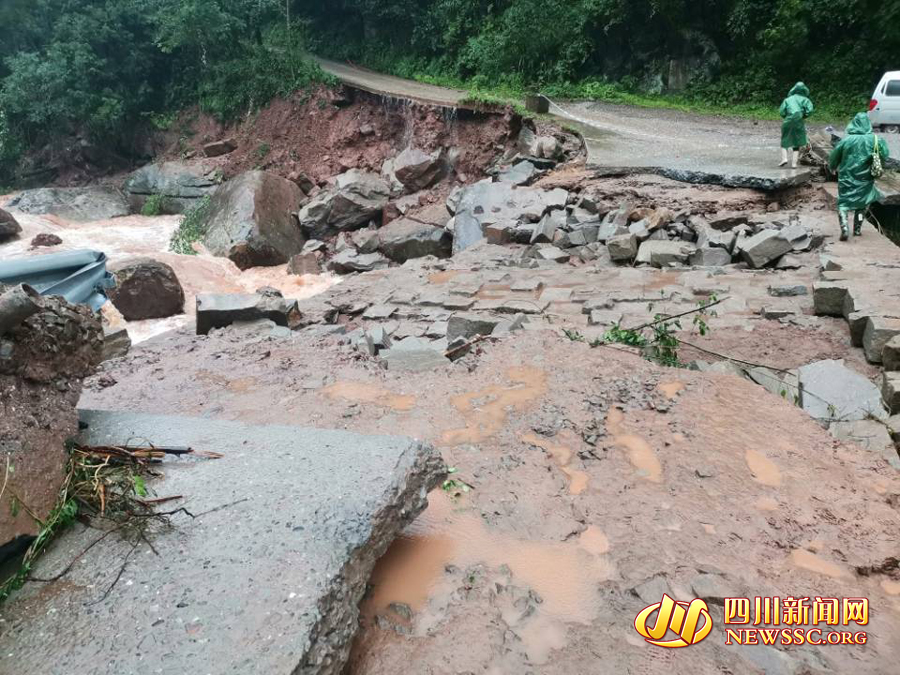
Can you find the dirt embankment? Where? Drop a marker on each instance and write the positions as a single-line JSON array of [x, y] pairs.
[[325, 133]]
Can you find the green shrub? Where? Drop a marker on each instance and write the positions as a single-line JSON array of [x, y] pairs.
[[154, 205], [191, 229]]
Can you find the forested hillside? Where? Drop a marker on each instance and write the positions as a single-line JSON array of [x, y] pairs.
[[104, 66]]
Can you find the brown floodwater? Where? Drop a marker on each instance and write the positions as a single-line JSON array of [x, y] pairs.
[[562, 450], [563, 574], [361, 392], [485, 411], [640, 454]]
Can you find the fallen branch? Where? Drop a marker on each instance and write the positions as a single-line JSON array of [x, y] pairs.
[[696, 310]]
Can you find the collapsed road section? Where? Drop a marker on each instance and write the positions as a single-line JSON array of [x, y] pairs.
[[262, 570]]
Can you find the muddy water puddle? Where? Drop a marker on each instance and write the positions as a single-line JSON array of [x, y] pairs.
[[763, 469], [640, 454], [361, 392], [562, 449], [486, 411], [563, 574]]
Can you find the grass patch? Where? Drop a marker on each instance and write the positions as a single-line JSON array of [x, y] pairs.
[[153, 206], [191, 229]]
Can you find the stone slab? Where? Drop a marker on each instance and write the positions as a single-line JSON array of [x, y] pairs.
[[831, 391], [266, 579]]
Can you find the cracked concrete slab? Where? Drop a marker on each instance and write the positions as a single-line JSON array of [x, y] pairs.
[[267, 580]]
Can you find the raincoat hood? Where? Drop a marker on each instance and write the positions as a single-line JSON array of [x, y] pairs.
[[799, 89], [860, 125]]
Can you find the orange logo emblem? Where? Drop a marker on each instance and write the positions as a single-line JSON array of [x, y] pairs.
[[690, 621]]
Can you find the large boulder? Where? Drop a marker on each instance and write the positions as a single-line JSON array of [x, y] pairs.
[[83, 204], [180, 186], [418, 170], [355, 198], [404, 239], [146, 289], [250, 220], [9, 226], [468, 231]]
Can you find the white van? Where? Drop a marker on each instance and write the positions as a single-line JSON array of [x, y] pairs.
[[884, 108]]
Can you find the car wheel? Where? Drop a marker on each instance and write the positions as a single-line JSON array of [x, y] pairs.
[[892, 129]]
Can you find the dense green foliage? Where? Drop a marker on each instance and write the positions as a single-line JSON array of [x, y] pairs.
[[102, 67], [746, 52]]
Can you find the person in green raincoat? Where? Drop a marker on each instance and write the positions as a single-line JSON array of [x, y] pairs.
[[852, 160], [794, 111]]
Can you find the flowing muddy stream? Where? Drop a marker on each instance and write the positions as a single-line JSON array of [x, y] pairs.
[[130, 236]]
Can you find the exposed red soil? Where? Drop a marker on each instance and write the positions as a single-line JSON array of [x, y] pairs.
[[325, 134]]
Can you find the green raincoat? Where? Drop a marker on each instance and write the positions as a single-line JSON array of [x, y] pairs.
[[852, 159], [795, 109]]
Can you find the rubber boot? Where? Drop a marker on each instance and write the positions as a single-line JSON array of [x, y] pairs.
[[784, 157], [795, 157], [858, 219], [845, 230]]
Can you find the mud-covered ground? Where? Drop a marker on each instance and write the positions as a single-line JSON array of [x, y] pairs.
[[694, 483]]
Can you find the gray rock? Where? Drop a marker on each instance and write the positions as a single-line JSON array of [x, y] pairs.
[[219, 148], [404, 239], [468, 231], [313, 245], [764, 248], [775, 312], [9, 226], [573, 239], [220, 310], [547, 227], [652, 590], [890, 354], [665, 253], [552, 253], [116, 343], [379, 312], [249, 220], [789, 262], [607, 231], [858, 322], [869, 434], [640, 229], [350, 261], [468, 326], [418, 170], [355, 198], [879, 331], [366, 241], [783, 385], [259, 328], [304, 263], [708, 237], [710, 257], [522, 173], [146, 289], [828, 297], [890, 391], [727, 220], [294, 522], [623, 248], [80, 204], [832, 392], [790, 291], [713, 588], [180, 185]]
